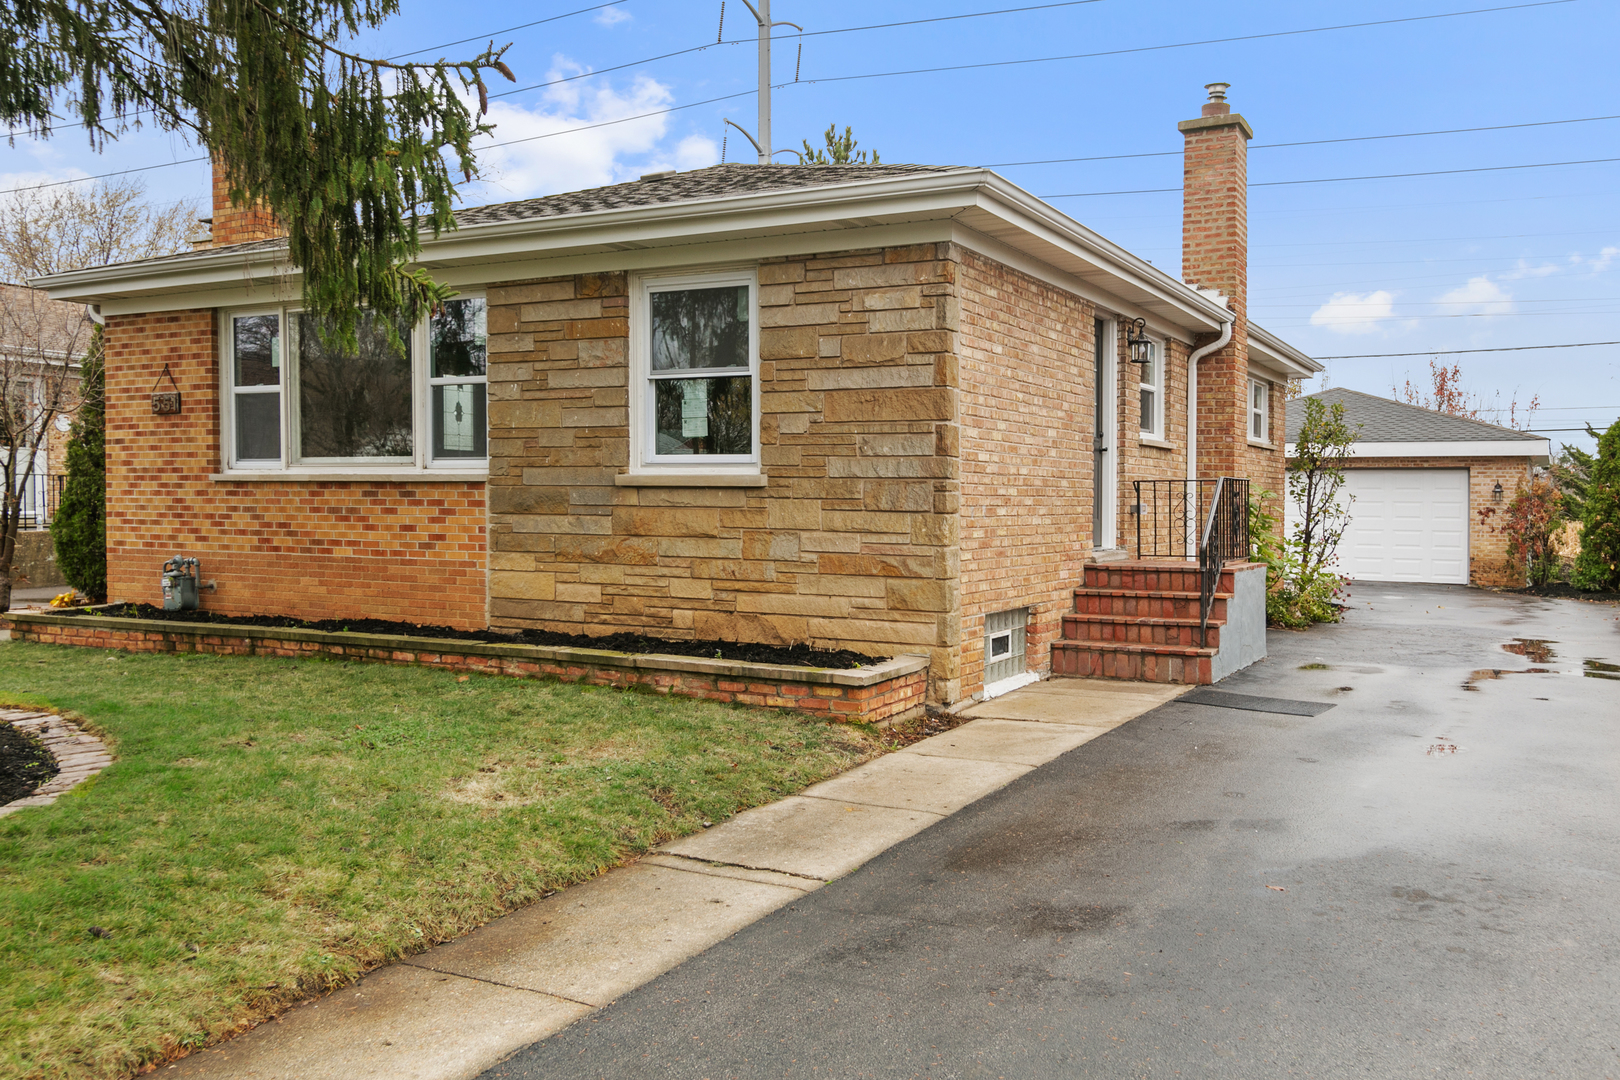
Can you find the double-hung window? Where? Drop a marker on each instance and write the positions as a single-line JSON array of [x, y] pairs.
[[415, 403], [695, 393], [1259, 411], [1150, 377]]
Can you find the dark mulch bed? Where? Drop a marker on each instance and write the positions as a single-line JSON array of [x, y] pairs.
[[1563, 590], [787, 655], [24, 764]]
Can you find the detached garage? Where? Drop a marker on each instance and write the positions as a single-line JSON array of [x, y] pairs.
[[1427, 489]]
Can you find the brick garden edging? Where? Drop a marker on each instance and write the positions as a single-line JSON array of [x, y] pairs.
[[79, 755], [891, 690]]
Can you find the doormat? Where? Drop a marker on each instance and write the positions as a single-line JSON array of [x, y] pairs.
[[1250, 703]]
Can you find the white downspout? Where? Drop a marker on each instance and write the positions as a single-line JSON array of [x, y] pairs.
[[1192, 392], [1192, 398]]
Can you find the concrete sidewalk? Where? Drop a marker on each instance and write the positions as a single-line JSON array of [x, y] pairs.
[[457, 1009]]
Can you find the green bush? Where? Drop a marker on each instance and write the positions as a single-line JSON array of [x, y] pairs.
[[79, 529], [1597, 568], [1294, 599]]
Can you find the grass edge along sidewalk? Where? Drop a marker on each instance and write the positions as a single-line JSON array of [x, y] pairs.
[[272, 829]]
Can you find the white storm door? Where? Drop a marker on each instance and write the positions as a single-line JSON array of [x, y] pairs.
[[1406, 525]]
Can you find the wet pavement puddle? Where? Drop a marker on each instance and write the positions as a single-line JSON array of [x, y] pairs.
[[1535, 650]]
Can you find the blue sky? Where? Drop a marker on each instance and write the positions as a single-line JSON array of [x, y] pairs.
[[1466, 260]]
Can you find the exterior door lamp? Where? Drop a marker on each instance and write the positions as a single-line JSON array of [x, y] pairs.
[[1496, 492], [1138, 346]]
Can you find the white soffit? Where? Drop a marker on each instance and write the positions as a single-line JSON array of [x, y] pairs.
[[1525, 448]]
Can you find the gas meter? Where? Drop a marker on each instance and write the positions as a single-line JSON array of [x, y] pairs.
[[180, 576]]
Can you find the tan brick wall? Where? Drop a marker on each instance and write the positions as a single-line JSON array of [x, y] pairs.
[[850, 544], [1028, 413], [408, 551], [1487, 544], [1145, 460]]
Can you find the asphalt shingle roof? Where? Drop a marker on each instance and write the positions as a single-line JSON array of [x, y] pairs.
[[714, 182], [1384, 420], [717, 181]]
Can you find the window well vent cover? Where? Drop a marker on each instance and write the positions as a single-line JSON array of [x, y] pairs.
[[1004, 644]]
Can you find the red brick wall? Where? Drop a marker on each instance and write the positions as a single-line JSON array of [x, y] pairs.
[[409, 551], [235, 224]]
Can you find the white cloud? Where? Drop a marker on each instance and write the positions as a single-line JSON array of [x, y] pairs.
[[560, 161], [612, 16], [1604, 260], [1480, 296], [1525, 270], [12, 180], [1355, 313]]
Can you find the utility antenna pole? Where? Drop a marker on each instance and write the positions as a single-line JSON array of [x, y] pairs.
[[762, 15]]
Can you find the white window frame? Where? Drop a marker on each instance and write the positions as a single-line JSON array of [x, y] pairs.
[[643, 420], [1152, 427], [421, 461], [1262, 414]]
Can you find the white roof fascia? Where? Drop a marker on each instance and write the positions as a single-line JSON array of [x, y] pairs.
[[1042, 220], [1277, 353], [855, 205], [1531, 448]]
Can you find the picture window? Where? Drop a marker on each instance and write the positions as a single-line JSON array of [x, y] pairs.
[[296, 401]]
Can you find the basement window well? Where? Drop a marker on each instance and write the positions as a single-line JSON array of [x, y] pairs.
[[1004, 664]]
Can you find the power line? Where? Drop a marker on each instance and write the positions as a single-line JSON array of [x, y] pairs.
[[509, 29], [1189, 44], [1311, 142], [1076, 56], [805, 33], [1457, 352], [1346, 179]]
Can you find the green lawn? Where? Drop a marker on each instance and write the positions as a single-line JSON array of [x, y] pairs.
[[272, 828]]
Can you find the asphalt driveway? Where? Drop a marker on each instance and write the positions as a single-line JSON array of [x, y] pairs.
[[1420, 881]]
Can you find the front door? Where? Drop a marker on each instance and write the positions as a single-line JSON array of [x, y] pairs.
[[1102, 469]]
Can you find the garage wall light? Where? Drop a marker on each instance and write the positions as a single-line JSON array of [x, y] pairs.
[[1496, 492]]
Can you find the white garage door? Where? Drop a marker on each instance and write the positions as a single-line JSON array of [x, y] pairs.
[[1406, 525]]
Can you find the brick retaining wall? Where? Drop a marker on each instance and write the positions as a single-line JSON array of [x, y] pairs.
[[887, 691]]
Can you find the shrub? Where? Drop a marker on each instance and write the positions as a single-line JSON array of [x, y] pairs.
[[1597, 568], [1530, 520], [1294, 599], [79, 529]]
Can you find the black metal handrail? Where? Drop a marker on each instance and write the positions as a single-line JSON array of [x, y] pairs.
[[1225, 538], [1169, 514]]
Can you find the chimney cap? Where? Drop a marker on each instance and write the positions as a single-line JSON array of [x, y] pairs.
[[1217, 90]]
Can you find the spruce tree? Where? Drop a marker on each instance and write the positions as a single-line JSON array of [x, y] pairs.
[[79, 529], [356, 155], [1597, 568]]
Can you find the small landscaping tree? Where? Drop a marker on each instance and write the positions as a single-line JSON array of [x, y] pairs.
[[79, 530], [1301, 585], [1597, 568], [1535, 513]]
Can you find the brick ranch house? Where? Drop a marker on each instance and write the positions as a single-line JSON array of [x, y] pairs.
[[881, 407]]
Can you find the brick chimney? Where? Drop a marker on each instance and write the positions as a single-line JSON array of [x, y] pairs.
[[233, 224], [1215, 255]]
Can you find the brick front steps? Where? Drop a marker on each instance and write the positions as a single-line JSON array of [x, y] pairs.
[[889, 691], [1139, 621]]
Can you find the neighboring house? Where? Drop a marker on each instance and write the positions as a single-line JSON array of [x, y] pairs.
[[41, 343], [887, 407], [1428, 490]]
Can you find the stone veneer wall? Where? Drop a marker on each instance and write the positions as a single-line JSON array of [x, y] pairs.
[[1487, 543], [407, 551], [852, 543]]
